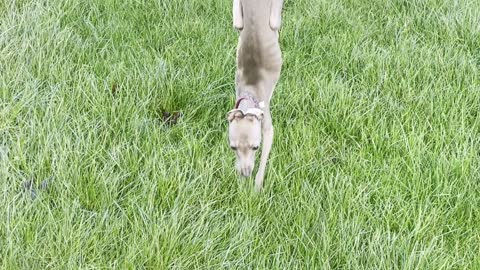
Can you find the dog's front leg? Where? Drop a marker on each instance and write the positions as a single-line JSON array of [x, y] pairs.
[[267, 130]]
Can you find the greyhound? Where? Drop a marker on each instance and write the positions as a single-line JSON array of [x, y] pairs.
[[259, 62]]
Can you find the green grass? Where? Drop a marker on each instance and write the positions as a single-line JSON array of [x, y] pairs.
[[375, 163]]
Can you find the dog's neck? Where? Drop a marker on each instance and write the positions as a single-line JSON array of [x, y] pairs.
[[246, 101]]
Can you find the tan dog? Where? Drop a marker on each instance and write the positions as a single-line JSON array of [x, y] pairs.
[[259, 61]]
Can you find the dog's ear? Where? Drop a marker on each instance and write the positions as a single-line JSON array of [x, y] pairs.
[[254, 113], [237, 14], [276, 14], [235, 114]]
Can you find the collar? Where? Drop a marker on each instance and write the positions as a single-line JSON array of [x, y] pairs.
[[251, 98]]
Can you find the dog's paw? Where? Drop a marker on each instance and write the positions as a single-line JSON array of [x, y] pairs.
[[275, 24], [258, 183], [238, 25]]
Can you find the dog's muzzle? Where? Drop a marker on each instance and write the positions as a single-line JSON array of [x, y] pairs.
[[245, 171]]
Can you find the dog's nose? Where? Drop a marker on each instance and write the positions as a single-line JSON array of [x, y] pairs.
[[246, 171]]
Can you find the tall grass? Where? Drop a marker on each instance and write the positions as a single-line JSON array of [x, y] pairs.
[[375, 163]]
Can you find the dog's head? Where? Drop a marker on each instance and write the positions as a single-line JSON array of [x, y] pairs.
[[245, 137]]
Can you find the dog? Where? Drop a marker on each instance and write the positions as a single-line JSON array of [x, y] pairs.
[[259, 62]]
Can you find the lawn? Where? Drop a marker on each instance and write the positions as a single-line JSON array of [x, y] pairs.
[[375, 162]]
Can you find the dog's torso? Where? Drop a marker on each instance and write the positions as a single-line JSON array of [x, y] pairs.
[[259, 58]]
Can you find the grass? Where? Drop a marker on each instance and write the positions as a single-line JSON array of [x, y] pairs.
[[375, 164]]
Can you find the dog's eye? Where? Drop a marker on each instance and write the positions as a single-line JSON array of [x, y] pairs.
[[255, 148], [233, 148]]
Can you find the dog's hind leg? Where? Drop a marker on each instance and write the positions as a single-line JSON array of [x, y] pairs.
[[276, 14], [267, 132], [237, 14]]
